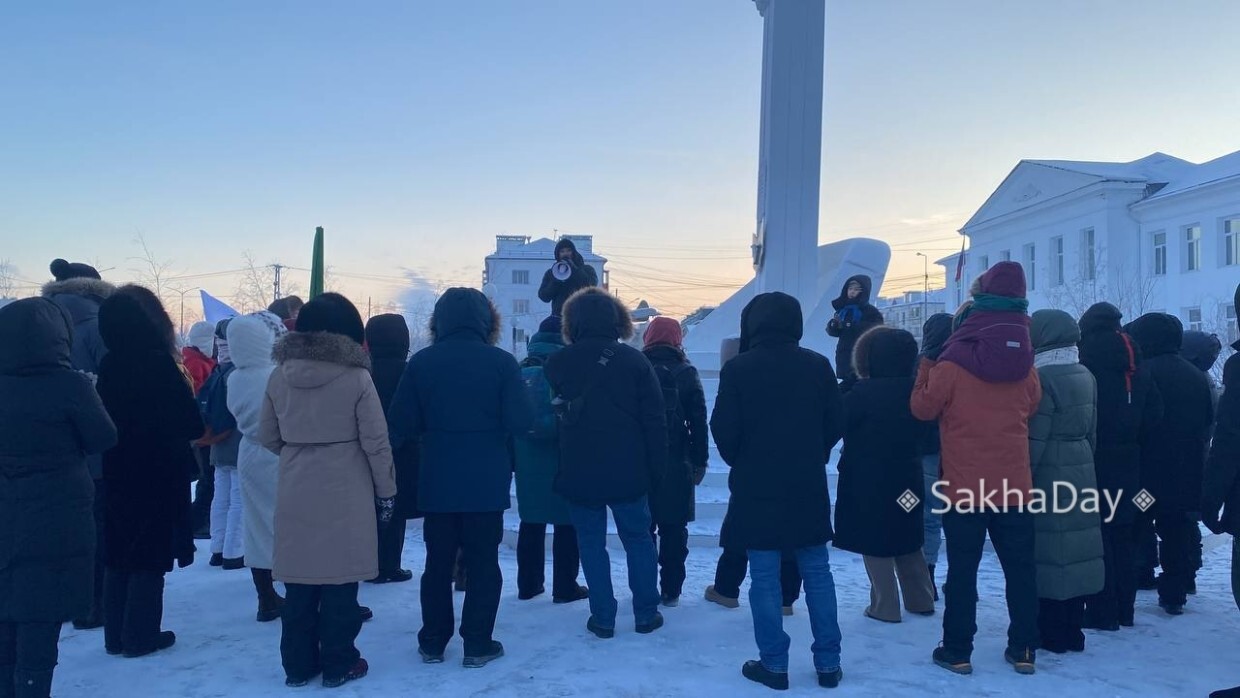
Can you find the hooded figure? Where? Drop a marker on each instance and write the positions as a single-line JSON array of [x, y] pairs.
[[556, 291], [462, 399], [1129, 410], [1221, 488], [387, 339], [197, 353], [1202, 351], [78, 289], [147, 473], [853, 316], [251, 338], [1067, 544], [1172, 473], [50, 420]]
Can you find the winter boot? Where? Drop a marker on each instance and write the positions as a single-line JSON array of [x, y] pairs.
[[163, 641], [1021, 660], [652, 625], [359, 670], [481, 659], [233, 563], [830, 679], [531, 593], [725, 601], [581, 593], [952, 661], [367, 614], [269, 602], [32, 684], [217, 560], [1172, 609], [754, 671], [600, 631], [392, 577], [934, 587], [670, 601]]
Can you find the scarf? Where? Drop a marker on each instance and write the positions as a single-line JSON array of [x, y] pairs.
[[990, 302], [1063, 356]]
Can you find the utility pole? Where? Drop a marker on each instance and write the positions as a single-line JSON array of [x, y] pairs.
[[925, 291], [182, 293], [278, 268]]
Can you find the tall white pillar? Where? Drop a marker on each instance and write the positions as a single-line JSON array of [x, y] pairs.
[[790, 150]]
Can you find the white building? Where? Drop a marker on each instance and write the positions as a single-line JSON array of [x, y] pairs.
[[513, 274], [909, 310], [1157, 234]]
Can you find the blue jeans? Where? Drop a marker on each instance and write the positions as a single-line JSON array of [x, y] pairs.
[[933, 522], [633, 525], [766, 602]]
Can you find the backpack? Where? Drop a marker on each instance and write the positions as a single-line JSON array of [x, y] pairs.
[[213, 400], [545, 425], [677, 429]]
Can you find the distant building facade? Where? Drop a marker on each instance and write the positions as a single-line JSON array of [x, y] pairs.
[[512, 275], [1156, 234], [909, 310]]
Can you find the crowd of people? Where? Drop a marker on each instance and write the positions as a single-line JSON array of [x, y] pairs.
[[314, 437]]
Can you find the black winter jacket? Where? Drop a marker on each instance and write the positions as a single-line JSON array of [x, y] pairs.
[[1221, 488], [558, 292], [934, 334], [387, 338], [776, 419], [688, 443], [50, 420], [852, 318]]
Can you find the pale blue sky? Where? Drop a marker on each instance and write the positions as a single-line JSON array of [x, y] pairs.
[[415, 131]]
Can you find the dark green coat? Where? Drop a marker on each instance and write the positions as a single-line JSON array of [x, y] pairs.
[[1067, 546], [538, 461]]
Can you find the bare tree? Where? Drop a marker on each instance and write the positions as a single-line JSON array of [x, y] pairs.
[[256, 289], [8, 279], [1132, 292], [152, 272]]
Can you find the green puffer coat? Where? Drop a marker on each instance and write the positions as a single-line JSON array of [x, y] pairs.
[[539, 460], [1068, 545]]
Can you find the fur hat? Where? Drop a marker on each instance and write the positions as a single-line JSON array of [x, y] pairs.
[[593, 312], [63, 270]]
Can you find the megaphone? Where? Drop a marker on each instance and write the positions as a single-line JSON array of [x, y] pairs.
[[561, 270]]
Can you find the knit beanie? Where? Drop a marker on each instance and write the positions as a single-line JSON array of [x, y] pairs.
[[63, 270], [551, 325]]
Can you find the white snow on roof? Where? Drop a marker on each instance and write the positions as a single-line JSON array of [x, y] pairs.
[[1226, 167], [542, 248], [1155, 168]]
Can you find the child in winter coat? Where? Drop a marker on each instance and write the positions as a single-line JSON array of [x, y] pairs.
[[227, 540], [879, 466], [197, 354], [1062, 435], [51, 418], [853, 316]]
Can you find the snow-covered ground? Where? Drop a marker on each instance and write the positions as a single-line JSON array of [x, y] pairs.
[[221, 651]]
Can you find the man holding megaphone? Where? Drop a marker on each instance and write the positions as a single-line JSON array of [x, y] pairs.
[[567, 275]]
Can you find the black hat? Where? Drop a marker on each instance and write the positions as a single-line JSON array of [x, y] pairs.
[[332, 312], [551, 325], [63, 271]]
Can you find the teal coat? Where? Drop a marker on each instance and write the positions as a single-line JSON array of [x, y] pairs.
[[539, 460]]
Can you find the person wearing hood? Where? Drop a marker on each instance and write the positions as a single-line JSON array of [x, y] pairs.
[[250, 341], [322, 416], [51, 419], [1220, 498], [287, 309], [853, 316], [538, 459], [227, 541], [198, 358], [387, 340], [776, 419], [1202, 350], [147, 473], [462, 399], [934, 334], [1129, 410], [558, 291], [613, 446], [1067, 541], [1172, 473], [672, 499], [879, 464], [78, 289], [196, 355], [983, 389]]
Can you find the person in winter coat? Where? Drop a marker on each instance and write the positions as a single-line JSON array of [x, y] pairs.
[[777, 417], [1067, 542], [287, 309], [879, 465], [1202, 351], [672, 500], [556, 291], [147, 473], [78, 289], [1172, 472], [983, 390], [51, 418], [250, 341], [227, 536], [198, 357], [934, 334], [387, 340], [538, 460], [1129, 410], [198, 354], [322, 416], [853, 316], [613, 446], [463, 400]]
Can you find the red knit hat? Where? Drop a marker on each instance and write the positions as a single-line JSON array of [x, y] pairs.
[[663, 330]]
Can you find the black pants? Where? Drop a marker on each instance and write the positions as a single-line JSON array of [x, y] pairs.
[[733, 564], [532, 560], [1115, 604], [133, 609], [1175, 529], [673, 545], [28, 647], [1011, 534], [320, 625], [96, 607], [1059, 624], [204, 489], [477, 535], [391, 545]]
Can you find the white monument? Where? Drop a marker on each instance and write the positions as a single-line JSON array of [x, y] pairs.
[[787, 256]]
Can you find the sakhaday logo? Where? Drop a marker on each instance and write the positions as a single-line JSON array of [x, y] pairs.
[[908, 501], [1144, 500]]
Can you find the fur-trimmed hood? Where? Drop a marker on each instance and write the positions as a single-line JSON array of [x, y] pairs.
[[82, 286], [314, 359], [465, 313], [593, 312], [885, 352]]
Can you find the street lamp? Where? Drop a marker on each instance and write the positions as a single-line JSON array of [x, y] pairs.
[[925, 290], [181, 293]]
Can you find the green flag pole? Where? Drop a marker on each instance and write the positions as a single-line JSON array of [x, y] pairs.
[[316, 265]]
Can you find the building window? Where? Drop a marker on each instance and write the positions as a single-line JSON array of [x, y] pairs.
[[1057, 261], [1192, 248], [520, 306], [1193, 315], [521, 277], [1005, 256], [1229, 314], [1160, 254], [984, 263], [1089, 260], [518, 337], [1031, 266], [1231, 241]]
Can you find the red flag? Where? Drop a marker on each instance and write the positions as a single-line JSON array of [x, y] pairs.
[[960, 260]]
